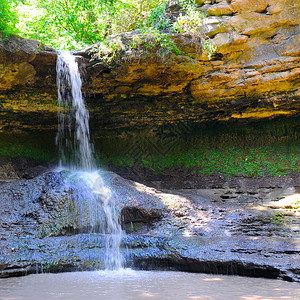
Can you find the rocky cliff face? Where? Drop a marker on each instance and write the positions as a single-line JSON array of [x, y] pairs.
[[156, 103], [254, 72], [238, 227]]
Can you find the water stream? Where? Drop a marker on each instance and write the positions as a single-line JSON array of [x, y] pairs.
[[76, 153]]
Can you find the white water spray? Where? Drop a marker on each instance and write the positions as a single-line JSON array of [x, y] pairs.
[[72, 107], [76, 151], [113, 259]]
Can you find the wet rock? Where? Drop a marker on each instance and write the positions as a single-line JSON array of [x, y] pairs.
[[212, 255], [206, 255], [21, 168], [47, 225]]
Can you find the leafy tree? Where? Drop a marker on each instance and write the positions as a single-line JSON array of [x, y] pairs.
[[77, 23], [8, 18], [65, 23], [73, 24]]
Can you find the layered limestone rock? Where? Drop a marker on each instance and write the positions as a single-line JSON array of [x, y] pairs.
[[253, 73], [27, 86], [26, 63]]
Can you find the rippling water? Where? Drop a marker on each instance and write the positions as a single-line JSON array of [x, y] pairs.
[[129, 284]]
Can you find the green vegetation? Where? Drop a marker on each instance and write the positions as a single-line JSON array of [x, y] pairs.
[[17, 146], [16, 151], [153, 36], [74, 24], [71, 24], [252, 149], [8, 17], [191, 22], [49, 265], [226, 160], [158, 19], [277, 218], [42, 233], [145, 44]]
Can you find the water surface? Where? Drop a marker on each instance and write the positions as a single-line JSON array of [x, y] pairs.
[[129, 284]]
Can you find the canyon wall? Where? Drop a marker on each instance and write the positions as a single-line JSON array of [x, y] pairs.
[[253, 73], [149, 102]]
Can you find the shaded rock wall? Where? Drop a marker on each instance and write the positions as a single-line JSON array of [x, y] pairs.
[[145, 104]]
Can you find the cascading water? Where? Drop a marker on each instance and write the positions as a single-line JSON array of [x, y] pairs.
[[71, 107], [76, 152], [113, 259]]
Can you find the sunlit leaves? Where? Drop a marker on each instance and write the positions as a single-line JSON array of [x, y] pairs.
[[8, 17], [69, 24]]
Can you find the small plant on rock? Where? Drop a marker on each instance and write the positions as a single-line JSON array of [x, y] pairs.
[[191, 22], [278, 218], [158, 18]]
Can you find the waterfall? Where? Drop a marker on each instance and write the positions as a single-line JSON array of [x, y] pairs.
[[76, 151], [72, 109], [113, 259]]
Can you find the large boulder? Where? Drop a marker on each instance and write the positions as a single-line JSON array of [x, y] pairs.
[[23, 63]]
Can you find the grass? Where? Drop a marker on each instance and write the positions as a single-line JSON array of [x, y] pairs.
[[25, 146], [18, 151], [252, 150], [226, 159], [278, 218]]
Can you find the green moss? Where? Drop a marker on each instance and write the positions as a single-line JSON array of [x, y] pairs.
[[277, 218], [226, 154], [27, 146], [230, 161], [17, 151], [133, 227], [42, 233], [50, 264]]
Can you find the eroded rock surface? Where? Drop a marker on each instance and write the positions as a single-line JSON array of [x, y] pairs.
[[254, 72], [48, 224]]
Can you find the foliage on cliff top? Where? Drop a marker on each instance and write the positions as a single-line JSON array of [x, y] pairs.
[[74, 24], [153, 39], [8, 17]]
